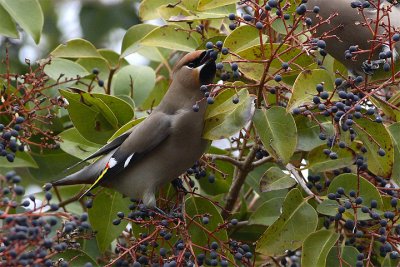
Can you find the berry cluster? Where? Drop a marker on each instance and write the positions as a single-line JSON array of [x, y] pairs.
[[32, 236]]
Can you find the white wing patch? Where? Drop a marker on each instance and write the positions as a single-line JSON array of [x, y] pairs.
[[128, 160], [112, 162]]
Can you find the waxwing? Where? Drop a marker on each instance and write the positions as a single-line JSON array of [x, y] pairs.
[[163, 146]]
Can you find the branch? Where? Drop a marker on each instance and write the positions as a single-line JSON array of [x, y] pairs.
[[239, 181], [292, 169], [231, 160]]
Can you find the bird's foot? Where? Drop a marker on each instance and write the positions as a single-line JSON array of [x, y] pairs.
[[369, 67], [178, 185]]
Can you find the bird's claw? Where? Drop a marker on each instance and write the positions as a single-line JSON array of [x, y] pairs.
[[369, 67]]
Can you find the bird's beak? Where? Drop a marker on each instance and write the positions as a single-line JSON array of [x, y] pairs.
[[205, 59]]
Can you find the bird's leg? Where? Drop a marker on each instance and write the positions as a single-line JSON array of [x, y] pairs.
[[370, 66]]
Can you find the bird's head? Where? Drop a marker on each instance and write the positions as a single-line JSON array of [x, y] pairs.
[[195, 68]]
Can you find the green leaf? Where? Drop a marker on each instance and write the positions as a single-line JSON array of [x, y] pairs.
[[347, 254], [210, 4], [320, 162], [76, 48], [74, 144], [304, 87], [122, 110], [113, 58], [224, 118], [297, 221], [308, 132], [374, 136], [51, 164], [242, 38], [275, 179], [106, 204], [22, 159], [156, 95], [350, 182], [316, 248], [286, 54], [75, 258], [394, 131], [132, 37], [68, 68], [135, 81], [91, 116], [198, 232], [7, 25], [28, 14], [277, 131], [171, 37], [147, 8], [267, 213], [125, 128], [389, 262]]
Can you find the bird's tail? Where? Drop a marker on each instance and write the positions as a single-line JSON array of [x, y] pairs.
[[73, 179]]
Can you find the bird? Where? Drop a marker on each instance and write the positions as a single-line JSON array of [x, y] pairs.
[[349, 29], [163, 146]]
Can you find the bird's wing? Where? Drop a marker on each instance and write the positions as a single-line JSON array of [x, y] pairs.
[[105, 149], [143, 139]]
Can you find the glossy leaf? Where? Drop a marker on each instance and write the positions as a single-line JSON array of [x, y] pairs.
[[277, 131], [346, 253], [171, 37], [28, 14], [350, 182], [75, 258], [316, 248], [106, 204], [304, 87], [297, 221], [286, 54], [267, 213], [275, 179], [135, 81], [224, 118], [7, 25], [320, 162], [74, 144], [94, 119], [198, 232], [132, 37], [394, 131], [67, 68], [22, 159], [374, 136], [209, 4], [308, 132], [76, 48]]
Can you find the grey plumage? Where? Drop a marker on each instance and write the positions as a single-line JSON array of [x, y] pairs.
[[164, 145], [348, 28]]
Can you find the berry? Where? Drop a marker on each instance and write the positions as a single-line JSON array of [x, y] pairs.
[[316, 9], [19, 119], [247, 17], [235, 100], [273, 3], [196, 107], [224, 51], [259, 25], [381, 152], [95, 71], [219, 44], [210, 100], [100, 83], [232, 16], [278, 78], [209, 45], [301, 10], [321, 44], [205, 220]]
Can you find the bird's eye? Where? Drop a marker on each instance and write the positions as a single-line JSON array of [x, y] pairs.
[[191, 65]]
